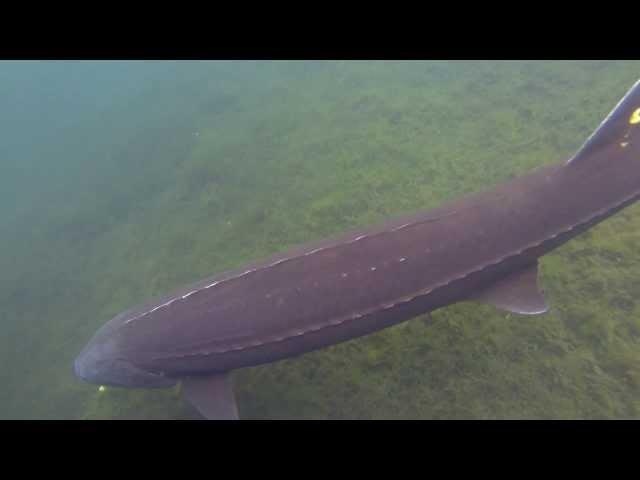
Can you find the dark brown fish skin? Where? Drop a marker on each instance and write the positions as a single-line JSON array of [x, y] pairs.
[[305, 303], [349, 288]]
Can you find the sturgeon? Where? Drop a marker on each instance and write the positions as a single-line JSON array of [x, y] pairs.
[[484, 247]]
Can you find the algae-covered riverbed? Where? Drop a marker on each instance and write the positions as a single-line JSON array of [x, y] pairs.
[[123, 180]]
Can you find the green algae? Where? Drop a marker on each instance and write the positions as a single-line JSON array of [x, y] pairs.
[[317, 148]]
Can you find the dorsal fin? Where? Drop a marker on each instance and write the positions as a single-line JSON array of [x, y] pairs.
[[517, 293], [618, 126]]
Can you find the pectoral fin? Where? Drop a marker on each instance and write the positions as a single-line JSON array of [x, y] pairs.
[[212, 395], [517, 293]]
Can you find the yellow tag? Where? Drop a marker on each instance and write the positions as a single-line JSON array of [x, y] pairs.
[[635, 117]]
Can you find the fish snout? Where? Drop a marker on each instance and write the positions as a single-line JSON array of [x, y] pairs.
[[103, 364], [77, 368], [86, 366]]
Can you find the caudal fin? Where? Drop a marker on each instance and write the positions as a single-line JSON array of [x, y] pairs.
[[622, 126]]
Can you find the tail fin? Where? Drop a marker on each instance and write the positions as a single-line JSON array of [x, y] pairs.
[[622, 125]]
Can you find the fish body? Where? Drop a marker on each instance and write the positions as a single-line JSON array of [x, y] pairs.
[[483, 247]]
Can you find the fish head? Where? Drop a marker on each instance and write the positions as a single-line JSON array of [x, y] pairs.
[[105, 361]]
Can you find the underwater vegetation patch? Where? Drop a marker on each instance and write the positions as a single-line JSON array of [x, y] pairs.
[[310, 151]]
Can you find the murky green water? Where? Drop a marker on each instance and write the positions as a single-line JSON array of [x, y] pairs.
[[120, 181]]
